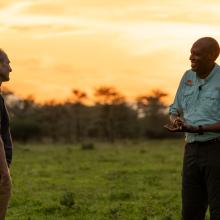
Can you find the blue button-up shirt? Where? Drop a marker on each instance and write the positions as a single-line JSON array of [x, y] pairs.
[[197, 101]]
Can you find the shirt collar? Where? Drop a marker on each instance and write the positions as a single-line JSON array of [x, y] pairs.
[[211, 74]]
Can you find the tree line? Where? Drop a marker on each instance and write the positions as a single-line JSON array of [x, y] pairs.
[[111, 117]]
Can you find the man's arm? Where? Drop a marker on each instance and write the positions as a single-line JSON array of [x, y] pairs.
[[3, 162], [211, 128], [8, 146], [194, 129], [5, 132]]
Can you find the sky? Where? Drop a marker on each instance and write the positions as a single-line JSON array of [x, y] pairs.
[[136, 46]]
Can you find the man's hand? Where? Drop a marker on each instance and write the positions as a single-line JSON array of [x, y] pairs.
[[172, 128], [181, 127], [176, 121], [176, 124]]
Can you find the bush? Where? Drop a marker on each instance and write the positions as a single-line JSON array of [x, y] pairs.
[[87, 146], [68, 199]]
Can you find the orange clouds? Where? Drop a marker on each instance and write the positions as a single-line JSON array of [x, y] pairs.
[[136, 46]]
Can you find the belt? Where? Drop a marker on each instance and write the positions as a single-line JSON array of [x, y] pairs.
[[207, 142]]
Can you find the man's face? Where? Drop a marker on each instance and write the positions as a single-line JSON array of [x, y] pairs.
[[5, 68], [200, 58]]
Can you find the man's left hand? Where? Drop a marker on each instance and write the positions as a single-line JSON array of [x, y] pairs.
[[182, 128]]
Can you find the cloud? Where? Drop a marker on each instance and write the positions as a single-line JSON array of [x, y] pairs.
[[30, 28], [48, 28], [130, 10], [44, 8], [134, 45], [4, 4], [55, 19]]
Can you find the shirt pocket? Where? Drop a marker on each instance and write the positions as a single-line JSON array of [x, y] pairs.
[[211, 101], [187, 98]]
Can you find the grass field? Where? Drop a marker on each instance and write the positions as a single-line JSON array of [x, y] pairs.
[[124, 181]]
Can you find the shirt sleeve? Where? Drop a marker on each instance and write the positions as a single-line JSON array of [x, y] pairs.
[[176, 107], [8, 147], [5, 132], [0, 120]]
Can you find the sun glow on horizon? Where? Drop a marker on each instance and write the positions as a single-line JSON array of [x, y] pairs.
[[134, 46]]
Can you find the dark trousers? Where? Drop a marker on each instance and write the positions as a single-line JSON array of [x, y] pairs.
[[201, 180]]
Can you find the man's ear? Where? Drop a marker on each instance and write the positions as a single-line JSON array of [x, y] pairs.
[[212, 56]]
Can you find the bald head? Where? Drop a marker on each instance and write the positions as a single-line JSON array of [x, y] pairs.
[[5, 68], [2, 55], [204, 52], [209, 45]]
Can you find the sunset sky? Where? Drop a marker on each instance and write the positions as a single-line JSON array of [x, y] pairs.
[[134, 45]]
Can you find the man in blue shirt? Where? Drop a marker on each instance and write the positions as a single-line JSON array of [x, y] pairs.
[[5, 141], [196, 111]]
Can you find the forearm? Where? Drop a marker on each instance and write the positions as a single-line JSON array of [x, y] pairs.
[[203, 128], [3, 162], [211, 128]]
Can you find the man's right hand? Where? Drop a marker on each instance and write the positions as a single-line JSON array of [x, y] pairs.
[[170, 128], [176, 121], [177, 124]]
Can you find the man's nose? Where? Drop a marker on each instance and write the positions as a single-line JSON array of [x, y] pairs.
[[191, 57], [10, 69]]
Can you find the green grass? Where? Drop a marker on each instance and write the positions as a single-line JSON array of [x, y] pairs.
[[124, 181]]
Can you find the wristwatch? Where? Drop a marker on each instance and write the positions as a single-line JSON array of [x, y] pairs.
[[200, 130]]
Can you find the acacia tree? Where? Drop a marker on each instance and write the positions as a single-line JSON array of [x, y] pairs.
[[107, 99], [76, 106], [151, 109], [111, 117]]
